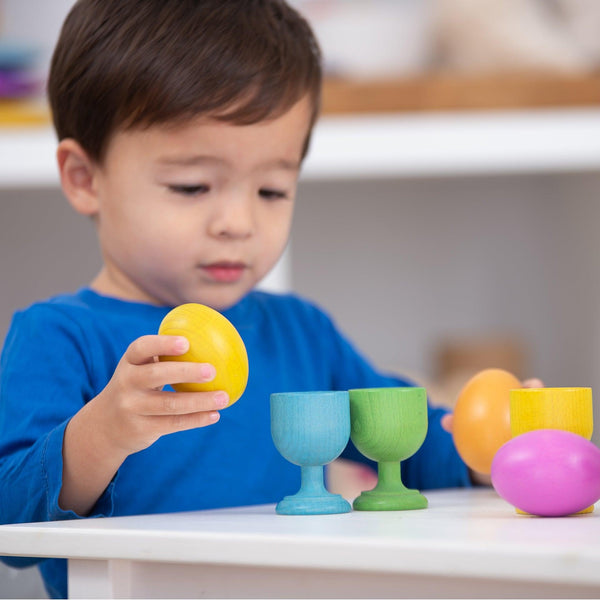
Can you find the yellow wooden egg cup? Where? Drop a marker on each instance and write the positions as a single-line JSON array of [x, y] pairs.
[[569, 409]]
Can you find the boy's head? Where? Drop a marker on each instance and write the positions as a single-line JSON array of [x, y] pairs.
[[127, 64], [182, 126]]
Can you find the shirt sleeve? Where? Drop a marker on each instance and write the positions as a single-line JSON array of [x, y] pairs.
[[437, 463], [44, 381]]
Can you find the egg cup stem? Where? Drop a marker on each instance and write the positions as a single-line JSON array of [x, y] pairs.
[[312, 481], [312, 498], [390, 479]]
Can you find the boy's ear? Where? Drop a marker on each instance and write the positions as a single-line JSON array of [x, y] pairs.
[[77, 176]]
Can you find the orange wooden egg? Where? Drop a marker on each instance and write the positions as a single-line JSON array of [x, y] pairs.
[[482, 417]]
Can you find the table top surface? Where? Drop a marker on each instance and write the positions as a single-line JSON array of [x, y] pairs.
[[470, 532]]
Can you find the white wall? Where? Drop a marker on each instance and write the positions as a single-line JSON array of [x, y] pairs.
[[45, 248], [36, 22], [402, 264]]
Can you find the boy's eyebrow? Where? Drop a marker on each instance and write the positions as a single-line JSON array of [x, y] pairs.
[[188, 160], [282, 163], [198, 159]]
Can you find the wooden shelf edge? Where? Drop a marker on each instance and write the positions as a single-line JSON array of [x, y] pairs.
[[448, 92]]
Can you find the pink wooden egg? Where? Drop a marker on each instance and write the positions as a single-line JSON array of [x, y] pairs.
[[548, 472]]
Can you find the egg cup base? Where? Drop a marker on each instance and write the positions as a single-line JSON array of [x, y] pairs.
[[585, 511], [298, 504], [376, 500]]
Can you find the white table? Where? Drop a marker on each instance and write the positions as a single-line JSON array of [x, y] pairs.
[[469, 543]]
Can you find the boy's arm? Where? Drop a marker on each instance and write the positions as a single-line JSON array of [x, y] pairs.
[[44, 380], [42, 384], [436, 464]]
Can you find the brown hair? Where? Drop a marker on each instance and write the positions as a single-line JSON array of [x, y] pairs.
[[122, 64]]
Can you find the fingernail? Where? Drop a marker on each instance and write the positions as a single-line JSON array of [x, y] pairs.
[[221, 399], [182, 344], [214, 417], [208, 372]]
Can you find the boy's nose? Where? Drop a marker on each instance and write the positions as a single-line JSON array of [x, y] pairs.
[[233, 218]]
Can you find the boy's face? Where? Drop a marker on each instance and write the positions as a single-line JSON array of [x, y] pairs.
[[197, 212]]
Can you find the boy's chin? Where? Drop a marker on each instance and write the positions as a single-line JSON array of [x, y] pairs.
[[220, 299]]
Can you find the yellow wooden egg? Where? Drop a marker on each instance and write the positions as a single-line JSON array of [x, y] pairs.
[[213, 339]]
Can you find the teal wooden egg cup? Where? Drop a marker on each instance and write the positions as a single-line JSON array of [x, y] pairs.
[[310, 429], [389, 425]]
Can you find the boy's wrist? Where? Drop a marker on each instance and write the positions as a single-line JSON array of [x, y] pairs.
[[90, 461], [103, 441], [479, 478]]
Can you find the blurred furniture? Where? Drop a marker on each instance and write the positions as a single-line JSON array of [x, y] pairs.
[[451, 91], [457, 359]]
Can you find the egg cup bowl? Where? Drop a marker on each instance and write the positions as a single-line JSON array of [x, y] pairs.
[[566, 408]]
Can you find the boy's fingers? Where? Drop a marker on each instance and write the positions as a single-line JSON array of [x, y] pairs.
[[447, 422], [156, 375], [190, 421], [145, 348], [533, 383], [185, 403]]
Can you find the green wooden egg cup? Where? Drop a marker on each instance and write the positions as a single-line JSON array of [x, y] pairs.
[[389, 425]]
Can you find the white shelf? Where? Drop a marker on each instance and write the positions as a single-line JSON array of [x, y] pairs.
[[455, 144], [376, 146], [28, 159]]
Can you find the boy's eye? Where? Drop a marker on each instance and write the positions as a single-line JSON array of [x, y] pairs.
[[189, 190], [270, 194]]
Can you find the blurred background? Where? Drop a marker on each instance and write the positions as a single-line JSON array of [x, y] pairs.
[[449, 207]]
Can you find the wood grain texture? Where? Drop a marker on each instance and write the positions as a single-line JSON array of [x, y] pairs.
[[569, 409]]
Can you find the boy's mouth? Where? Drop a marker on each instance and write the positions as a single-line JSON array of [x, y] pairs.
[[225, 272]]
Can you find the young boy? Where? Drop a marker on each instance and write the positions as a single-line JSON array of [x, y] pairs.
[[182, 126]]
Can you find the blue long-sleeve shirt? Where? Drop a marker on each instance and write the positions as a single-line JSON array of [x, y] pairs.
[[61, 353]]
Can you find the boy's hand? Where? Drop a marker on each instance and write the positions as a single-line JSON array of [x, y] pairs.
[[447, 422], [130, 414], [134, 409]]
